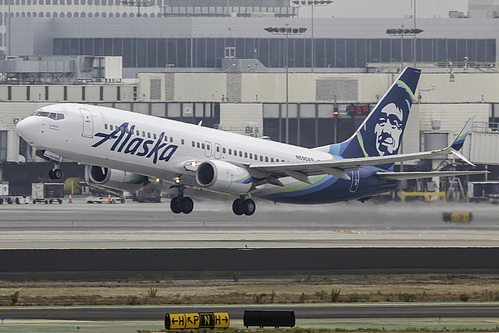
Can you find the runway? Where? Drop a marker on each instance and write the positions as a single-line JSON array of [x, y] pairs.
[[212, 225], [81, 241], [91, 241]]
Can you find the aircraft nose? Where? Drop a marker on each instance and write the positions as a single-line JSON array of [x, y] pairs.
[[28, 129]]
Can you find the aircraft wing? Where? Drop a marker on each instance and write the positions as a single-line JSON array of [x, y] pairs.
[[338, 167]]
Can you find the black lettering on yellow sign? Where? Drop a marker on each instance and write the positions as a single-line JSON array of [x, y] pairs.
[[221, 319], [197, 320], [192, 320], [177, 321]]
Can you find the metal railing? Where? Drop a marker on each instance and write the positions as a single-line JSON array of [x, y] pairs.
[[485, 127]]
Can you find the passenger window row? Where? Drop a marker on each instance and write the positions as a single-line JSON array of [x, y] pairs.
[[237, 153]]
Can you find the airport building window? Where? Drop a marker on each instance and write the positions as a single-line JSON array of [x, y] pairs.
[[3, 145], [329, 52]]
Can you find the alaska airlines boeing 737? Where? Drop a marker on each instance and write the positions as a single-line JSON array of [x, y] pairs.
[[124, 149]]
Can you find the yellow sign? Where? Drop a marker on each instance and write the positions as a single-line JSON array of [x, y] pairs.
[[197, 320], [221, 319], [175, 321], [192, 320]]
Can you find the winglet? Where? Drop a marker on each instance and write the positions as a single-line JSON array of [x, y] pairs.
[[459, 141]]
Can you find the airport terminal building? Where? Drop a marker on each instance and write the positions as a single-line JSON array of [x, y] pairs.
[[214, 61]]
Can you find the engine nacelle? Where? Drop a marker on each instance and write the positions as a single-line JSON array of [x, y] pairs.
[[223, 176], [114, 178]]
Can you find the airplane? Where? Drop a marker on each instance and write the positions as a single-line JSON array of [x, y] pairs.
[[124, 150]]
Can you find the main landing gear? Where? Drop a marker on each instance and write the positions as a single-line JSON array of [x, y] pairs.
[[243, 206], [181, 204]]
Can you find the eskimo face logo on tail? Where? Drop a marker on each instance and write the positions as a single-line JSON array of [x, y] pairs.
[[122, 141], [382, 133], [388, 130]]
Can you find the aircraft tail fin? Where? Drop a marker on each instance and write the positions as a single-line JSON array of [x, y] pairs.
[[381, 132]]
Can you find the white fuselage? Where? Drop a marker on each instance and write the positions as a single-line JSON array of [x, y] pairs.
[[152, 146]]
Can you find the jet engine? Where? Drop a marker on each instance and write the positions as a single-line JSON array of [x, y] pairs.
[[114, 178], [223, 176]]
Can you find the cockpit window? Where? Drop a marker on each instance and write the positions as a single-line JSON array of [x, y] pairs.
[[42, 114], [51, 115]]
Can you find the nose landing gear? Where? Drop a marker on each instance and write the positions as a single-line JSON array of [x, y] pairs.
[[56, 172]]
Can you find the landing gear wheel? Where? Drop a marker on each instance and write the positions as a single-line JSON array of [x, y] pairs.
[[249, 207], [237, 207], [55, 174], [175, 205], [186, 205]]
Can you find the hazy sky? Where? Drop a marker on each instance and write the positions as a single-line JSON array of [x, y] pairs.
[[388, 8]]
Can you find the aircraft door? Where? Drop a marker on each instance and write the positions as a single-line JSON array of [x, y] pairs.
[[355, 181], [218, 151], [207, 149], [88, 123]]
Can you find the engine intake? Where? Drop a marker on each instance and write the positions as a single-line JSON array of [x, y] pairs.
[[114, 178], [224, 176]]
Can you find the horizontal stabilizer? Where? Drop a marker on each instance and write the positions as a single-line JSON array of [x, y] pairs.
[[417, 175]]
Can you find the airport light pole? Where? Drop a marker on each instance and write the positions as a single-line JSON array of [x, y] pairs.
[[414, 27], [286, 30], [312, 4], [403, 32]]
